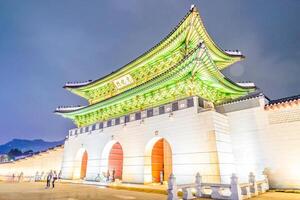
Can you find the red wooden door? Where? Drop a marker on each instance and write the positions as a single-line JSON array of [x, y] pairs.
[[116, 160], [161, 160], [83, 165], [157, 160]]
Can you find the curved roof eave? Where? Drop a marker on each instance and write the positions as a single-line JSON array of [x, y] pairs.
[[234, 58], [71, 114]]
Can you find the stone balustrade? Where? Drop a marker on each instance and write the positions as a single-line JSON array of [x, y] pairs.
[[232, 191]]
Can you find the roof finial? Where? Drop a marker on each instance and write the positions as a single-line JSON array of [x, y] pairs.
[[193, 7]]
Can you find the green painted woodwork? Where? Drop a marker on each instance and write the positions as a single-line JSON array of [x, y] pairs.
[[182, 40], [195, 74]]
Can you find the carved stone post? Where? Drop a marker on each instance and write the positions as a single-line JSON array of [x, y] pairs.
[[187, 194], [172, 188], [235, 188], [36, 177], [266, 182], [253, 184], [198, 182]]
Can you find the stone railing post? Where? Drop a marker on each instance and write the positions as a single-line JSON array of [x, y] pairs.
[[36, 177], [97, 179], [235, 188], [267, 182], [42, 176], [20, 177], [198, 182], [253, 184], [172, 188]]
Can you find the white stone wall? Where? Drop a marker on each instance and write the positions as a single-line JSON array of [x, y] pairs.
[[283, 147], [266, 140], [43, 162], [248, 133], [244, 139], [191, 135], [239, 137], [223, 143]]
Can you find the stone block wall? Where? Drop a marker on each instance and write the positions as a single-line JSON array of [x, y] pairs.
[[191, 134], [282, 154], [266, 140], [42, 162]]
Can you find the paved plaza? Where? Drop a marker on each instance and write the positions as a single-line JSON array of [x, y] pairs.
[[66, 191]]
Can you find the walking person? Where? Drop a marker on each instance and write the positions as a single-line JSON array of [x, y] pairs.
[[13, 178], [59, 175], [49, 177], [107, 175], [54, 178]]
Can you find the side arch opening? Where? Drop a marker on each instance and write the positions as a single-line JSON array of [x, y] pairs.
[[112, 160], [158, 161], [80, 164]]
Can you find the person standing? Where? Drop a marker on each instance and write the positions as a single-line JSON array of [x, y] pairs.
[[161, 177], [54, 178], [49, 177], [107, 175], [113, 175], [13, 178], [59, 175]]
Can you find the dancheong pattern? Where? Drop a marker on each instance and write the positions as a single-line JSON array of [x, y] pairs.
[[185, 63]]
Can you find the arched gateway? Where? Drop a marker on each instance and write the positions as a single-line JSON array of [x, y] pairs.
[[115, 160], [161, 161], [80, 164], [83, 165], [112, 159], [158, 160]]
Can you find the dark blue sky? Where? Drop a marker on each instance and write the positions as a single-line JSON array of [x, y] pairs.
[[43, 44]]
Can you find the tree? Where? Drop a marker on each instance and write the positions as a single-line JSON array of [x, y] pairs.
[[14, 152], [29, 152]]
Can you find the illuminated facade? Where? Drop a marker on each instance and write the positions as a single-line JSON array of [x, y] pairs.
[[171, 110]]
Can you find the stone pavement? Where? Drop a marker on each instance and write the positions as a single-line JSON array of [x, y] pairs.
[[152, 188], [67, 191], [277, 196], [64, 191]]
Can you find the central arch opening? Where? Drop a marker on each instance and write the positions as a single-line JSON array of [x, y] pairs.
[[161, 161], [83, 165], [115, 160]]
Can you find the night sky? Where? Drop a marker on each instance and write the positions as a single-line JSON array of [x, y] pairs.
[[44, 44]]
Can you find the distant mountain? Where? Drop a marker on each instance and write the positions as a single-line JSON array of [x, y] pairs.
[[25, 145]]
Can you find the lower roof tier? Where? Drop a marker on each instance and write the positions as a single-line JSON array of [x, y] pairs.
[[195, 75]]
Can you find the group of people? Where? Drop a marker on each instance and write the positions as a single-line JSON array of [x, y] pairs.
[[112, 178], [51, 178]]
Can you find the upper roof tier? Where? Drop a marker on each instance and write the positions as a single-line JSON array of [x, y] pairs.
[[194, 75], [174, 47]]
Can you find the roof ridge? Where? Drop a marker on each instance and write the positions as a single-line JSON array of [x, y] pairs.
[[284, 100], [143, 54]]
